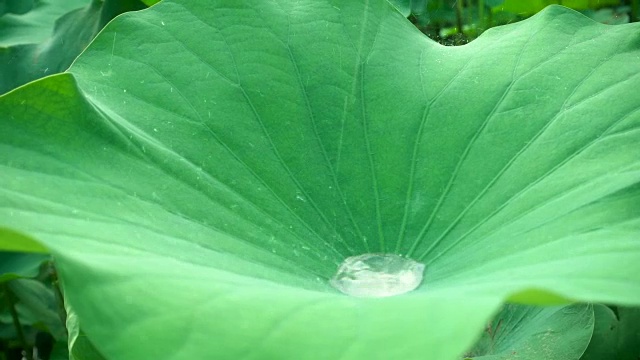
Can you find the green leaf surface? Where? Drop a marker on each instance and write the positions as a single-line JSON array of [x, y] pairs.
[[23, 60], [19, 265], [628, 333], [18, 27], [403, 6], [16, 6], [533, 333], [616, 334], [79, 346], [14, 241], [604, 342], [37, 306], [207, 198]]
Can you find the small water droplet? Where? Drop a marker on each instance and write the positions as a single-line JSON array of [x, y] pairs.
[[377, 275]]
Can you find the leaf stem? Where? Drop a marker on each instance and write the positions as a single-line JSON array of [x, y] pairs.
[[55, 281], [481, 19], [459, 16], [16, 321]]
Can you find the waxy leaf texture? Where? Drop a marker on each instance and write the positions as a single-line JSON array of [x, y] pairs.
[[204, 166]]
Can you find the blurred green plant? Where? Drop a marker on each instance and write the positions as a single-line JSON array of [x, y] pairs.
[[40, 38], [30, 322], [456, 22], [35, 321]]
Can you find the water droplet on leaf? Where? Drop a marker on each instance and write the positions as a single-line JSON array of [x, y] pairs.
[[377, 275]]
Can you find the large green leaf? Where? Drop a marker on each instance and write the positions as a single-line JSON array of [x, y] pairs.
[[533, 333], [19, 265], [604, 341], [616, 336], [628, 333], [205, 166], [79, 346], [14, 241]]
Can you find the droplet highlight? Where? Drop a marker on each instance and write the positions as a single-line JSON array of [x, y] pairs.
[[377, 275]]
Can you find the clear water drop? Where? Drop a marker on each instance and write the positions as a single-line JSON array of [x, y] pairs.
[[377, 275]]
